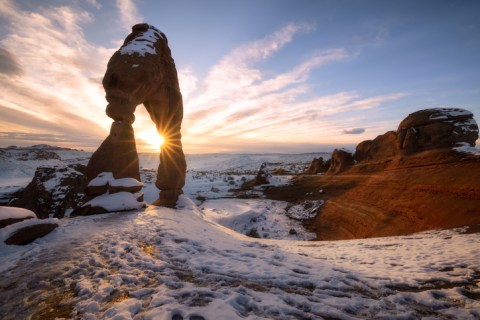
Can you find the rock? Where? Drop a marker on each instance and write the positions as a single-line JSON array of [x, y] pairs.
[[341, 161], [436, 128], [117, 154], [9, 221], [29, 233], [383, 146], [263, 177], [52, 191], [39, 155], [142, 71], [317, 166]]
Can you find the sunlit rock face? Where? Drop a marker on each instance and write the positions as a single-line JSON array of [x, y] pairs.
[[142, 71], [383, 146], [436, 128], [341, 161]]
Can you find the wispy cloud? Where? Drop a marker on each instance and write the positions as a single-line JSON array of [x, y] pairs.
[[129, 14], [239, 101], [59, 83]]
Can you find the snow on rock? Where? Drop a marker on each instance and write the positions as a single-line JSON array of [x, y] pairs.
[[102, 179], [26, 231], [15, 213], [143, 43], [466, 148], [306, 210], [120, 201]]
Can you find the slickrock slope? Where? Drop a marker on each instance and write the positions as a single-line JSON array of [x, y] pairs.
[[393, 190]]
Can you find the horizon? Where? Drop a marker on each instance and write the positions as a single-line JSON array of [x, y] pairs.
[[269, 77]]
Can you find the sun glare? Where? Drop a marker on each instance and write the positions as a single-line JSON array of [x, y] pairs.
[[152, 138]]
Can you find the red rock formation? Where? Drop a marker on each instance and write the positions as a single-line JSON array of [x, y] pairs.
[[341, 161], [436, 128], [143, 71]]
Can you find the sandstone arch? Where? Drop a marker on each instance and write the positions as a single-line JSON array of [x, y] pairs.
[[142, 71]]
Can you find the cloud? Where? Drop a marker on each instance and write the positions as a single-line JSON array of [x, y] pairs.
[[354, 131], [9, 64], [238, 101], [58, 88], [95, 4], [129, 14]]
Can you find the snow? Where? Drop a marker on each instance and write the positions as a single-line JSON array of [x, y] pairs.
[[444, 113], [266, 217], [161, 262], [105, 178], [119, 201], [466, 148], [102, 179], [143, 44], [15, 213], [196, 261]]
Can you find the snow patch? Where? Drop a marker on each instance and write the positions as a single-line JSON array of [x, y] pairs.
[[15, 213]]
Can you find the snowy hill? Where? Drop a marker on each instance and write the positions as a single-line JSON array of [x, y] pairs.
[[174, 264]]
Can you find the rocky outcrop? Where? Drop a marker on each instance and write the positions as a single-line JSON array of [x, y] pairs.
[[39, 155], [263, 177], [436, 128], [142, 71], [318, 165], [107, 194], [341, 161], [29, 233], [52, 191], [383, 146]]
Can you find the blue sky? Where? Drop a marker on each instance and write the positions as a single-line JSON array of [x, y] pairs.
[[257, 76]]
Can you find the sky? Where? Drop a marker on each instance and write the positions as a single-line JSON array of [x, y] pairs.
[[256, 75]]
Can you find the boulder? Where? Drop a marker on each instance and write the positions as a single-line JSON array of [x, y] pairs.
[[29, 233], [435, 129], [341, 160], [52, 191], [318, 165], [263, 177], [382, 147]]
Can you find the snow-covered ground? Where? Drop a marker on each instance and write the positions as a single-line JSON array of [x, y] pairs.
[[195, 262], [170, 264]]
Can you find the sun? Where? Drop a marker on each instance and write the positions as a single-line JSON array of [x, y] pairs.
[[152, 138]]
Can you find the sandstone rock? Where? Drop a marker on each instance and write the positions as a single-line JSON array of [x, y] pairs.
[[382, 147], [436, 128], [341, 160], [142, 71], [262, 177], [29, 233], [52, 191], [117, 154], [317, 166]]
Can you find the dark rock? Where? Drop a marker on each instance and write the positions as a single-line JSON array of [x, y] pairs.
[[317, 166], [341, 161], [7, 222], [436, 128], [117, 154], [262, 177], [28, 234], [52, 191], [39, 155], [383, 146]]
